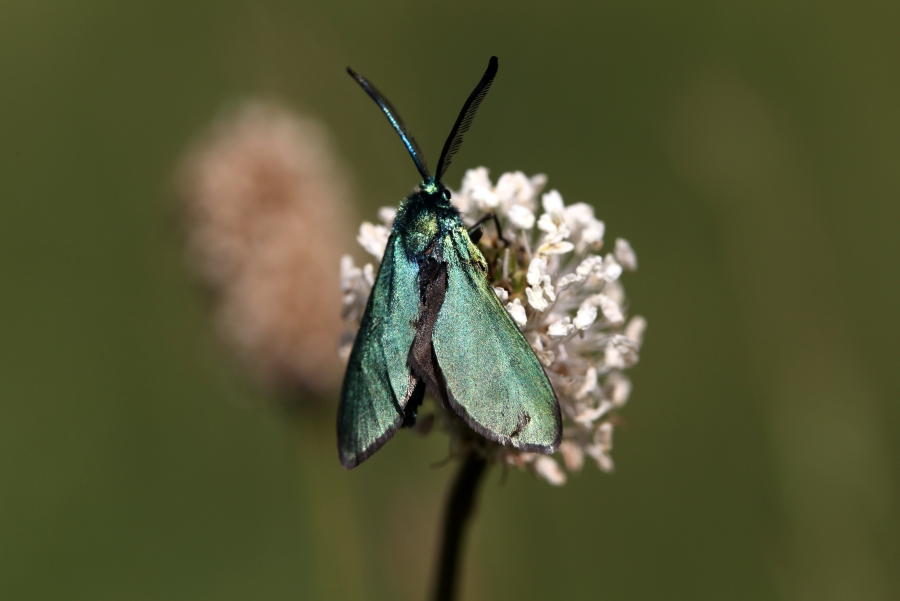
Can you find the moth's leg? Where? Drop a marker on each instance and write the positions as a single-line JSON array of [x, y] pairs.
[[476, 231]]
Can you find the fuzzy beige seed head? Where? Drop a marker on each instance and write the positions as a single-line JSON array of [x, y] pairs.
[[265, 207]]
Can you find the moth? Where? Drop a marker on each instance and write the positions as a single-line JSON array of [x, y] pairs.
[[433, 322]]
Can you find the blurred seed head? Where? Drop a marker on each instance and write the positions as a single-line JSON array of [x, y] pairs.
[[265, 206]]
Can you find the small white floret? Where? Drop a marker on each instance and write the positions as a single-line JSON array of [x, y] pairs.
[[587, 314], [634, 331], [477, 190], [521, 217], [612, 357], [546, 358], [567, 280], [561, 328], [625, 254], [549, 470], [618, 388], [368, 273], [611, 269], [537, 269], [604, 461], [592, 234], [615, 291], [517, 312], [555, 248], [610, 308], [553, 204], [387, 215], [572, 455], [587, 418], [538, 181], [590, 384], [349, 273], [590, 264], [549, 291], [373, 238], [485, 198], [620, 352], [553, 220], [515, 189], [536, 297], [604, 436], [579, 215], [475, 179], [546, 224]]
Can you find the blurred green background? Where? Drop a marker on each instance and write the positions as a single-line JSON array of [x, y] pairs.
[[751, 154]]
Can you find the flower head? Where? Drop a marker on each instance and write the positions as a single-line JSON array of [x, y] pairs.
[[562, 292]]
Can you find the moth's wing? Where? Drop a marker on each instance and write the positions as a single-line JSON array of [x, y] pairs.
[[494, 380], [401, 301], [378, 383]]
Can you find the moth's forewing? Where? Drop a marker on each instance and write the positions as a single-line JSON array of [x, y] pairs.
[[400, 300], [377, 384], [494, 380]]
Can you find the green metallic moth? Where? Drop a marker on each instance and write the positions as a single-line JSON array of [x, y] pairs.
[[433, 322]]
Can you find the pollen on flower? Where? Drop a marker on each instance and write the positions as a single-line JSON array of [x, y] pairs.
[[565, 296]]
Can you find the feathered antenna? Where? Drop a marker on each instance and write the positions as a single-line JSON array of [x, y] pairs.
[[464, 121], [396, 122]]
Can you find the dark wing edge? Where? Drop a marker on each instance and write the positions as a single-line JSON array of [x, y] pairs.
[[351, 461]]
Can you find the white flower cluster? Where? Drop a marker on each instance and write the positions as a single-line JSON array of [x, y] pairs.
[[564, 295]]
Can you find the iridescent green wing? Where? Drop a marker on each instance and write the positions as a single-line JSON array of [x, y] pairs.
[[378, 383], [494, 380]]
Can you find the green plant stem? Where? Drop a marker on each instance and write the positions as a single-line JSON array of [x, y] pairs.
[[458, 511]]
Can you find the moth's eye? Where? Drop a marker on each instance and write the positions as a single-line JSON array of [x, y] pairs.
[[447, 194]]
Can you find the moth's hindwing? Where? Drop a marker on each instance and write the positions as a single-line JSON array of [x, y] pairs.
[[378, 383], [494, 380]]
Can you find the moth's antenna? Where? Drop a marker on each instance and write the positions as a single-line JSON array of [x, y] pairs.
[[464, 121], [396, 122]]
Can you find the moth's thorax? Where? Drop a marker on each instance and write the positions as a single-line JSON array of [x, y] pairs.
[[425, 216]]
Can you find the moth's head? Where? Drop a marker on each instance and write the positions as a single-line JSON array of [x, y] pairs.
[[435, 190]]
